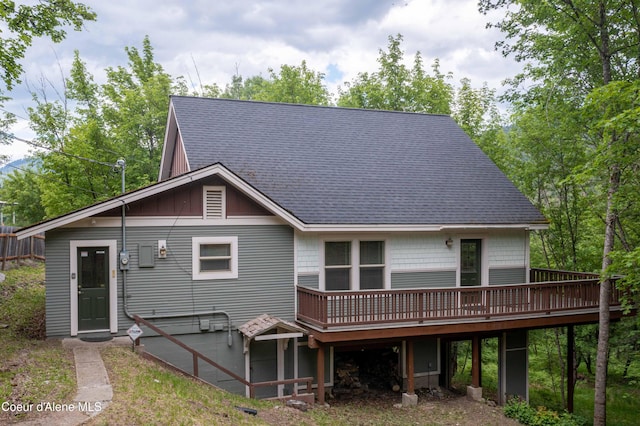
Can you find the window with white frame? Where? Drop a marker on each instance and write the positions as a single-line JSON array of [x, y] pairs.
[[215, 258], [337, 261], [340, 258], [371, 265]]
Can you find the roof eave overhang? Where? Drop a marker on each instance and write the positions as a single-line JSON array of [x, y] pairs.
[[216, 169], [266, 202], [418, 227]]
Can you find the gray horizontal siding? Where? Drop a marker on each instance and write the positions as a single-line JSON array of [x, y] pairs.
[[264, 283], [505, 276], [310, 281], [212, 345], [428, 279]]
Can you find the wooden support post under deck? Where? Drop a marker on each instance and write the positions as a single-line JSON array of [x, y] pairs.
[[320, 375], [476, 362], [570, 366], [410, 368]]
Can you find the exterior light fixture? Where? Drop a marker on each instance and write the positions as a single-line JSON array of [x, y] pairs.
[[449, 242]]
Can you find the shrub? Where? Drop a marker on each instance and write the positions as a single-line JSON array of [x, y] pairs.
[[520, 410]]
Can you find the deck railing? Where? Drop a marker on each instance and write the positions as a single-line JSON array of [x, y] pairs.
[[574, 291]]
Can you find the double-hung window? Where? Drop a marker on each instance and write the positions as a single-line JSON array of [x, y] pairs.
[[215, 257], [350, 265], [371, 265], [337, 260]]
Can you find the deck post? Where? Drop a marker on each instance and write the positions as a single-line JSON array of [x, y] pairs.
[[410, 398], [410, 368], [320, 374], [474, 391], [476, 361], [571, 378]]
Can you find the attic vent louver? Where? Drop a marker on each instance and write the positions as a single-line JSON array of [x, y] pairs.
[[214, 202]]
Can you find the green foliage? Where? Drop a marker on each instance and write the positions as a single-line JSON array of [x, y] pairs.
[[135, 108], [244, 89], [521, 411], [21, 187], [122, 118], [292, 84], [22, 23], [398, 88]]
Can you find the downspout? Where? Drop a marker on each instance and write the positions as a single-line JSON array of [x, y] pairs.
[[124, 267]]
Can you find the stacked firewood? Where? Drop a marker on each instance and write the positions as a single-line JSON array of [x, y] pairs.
[[348, 375], [382, 374]]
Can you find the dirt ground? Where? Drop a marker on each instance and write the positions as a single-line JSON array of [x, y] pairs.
[[384, 408]]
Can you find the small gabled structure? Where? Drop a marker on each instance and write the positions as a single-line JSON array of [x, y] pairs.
[[352, 228]]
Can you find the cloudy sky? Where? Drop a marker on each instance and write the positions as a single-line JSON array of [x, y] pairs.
[[215, 38]]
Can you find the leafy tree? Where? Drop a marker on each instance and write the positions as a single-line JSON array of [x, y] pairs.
[[123, 118], [23, 23], [135, 111], [20, 24], [21, 187], [292, 84], [584, 46], [399, 88], [476, 111], [244, 89], [74, 169]]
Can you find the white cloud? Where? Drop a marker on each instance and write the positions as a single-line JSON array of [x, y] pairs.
[[337, 37]]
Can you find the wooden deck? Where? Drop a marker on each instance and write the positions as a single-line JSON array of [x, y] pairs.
[[549, 292]]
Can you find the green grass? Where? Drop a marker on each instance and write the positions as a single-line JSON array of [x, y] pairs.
[[623, 401], [145, 393], [31, 370]]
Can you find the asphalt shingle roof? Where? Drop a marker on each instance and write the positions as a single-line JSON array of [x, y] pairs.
[[329, 165]]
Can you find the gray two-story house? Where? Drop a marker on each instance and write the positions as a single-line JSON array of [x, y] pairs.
[[283, 240]]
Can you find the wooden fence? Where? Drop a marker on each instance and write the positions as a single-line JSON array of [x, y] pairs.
[[12, 249]]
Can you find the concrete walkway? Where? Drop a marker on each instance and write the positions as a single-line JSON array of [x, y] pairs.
[[94, 390]]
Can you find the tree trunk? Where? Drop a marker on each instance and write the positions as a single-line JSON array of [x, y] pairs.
[[600, 398], [562, 367]]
